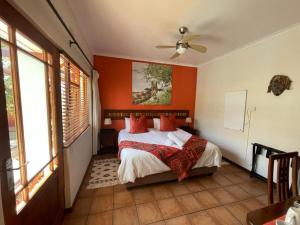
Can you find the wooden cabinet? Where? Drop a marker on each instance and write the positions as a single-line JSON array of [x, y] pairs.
[[189, 130], [108, 141]]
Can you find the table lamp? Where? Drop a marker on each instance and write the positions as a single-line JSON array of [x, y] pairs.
[[188, 121], [107, 121]]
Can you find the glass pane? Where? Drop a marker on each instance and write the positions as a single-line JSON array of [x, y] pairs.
[[3, 30], [10, 107], [33, 90], [26, 44]]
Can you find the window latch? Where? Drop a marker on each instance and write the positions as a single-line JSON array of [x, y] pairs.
[[9, 166]]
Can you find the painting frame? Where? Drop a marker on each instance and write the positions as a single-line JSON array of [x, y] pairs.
[[151, 83]]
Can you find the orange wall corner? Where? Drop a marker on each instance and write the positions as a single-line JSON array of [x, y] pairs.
[[115, 84]]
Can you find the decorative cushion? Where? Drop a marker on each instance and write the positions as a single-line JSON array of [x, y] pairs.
[[138, 125], [167, 123]]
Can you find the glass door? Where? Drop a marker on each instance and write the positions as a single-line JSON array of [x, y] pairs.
[[27, 73]]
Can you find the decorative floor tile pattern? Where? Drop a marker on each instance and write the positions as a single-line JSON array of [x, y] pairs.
[[223, 198]]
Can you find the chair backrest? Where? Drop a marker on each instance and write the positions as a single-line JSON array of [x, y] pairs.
[[283, 168]]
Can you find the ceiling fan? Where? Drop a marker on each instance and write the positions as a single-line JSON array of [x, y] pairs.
[[184, 43]]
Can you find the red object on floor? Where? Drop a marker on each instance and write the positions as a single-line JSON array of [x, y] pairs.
[[273, 222]]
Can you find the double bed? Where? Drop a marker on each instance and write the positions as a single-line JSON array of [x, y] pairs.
[[140, 167]]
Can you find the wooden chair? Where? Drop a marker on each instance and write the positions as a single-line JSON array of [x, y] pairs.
[[283, 166]]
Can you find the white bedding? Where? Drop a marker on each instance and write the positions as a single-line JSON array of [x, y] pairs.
[[138, 163]]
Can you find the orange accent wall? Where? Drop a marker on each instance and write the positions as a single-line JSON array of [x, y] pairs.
[[115, 86]]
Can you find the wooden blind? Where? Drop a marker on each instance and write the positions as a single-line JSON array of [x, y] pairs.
[[74, 94]]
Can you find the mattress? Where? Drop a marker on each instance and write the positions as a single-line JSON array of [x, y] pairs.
[[138, 163]]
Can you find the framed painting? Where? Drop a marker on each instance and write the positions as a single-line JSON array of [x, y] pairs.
[[151, 84]]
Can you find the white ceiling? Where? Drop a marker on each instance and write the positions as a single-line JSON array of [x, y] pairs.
[[132, 28]]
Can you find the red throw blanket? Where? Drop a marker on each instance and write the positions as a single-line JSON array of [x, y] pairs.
[[180, 161]]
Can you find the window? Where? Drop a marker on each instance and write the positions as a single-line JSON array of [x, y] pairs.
[[74, 94], [27, 74]]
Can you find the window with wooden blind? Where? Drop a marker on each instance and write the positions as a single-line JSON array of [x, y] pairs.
[[74, 94]]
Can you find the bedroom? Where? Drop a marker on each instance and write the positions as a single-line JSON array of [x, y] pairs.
[[215, 84]]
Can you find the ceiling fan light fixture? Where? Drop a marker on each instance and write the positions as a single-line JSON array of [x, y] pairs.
[[184, 43], [181, 49]]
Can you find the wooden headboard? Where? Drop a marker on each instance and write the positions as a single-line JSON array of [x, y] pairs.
[[119, 114]]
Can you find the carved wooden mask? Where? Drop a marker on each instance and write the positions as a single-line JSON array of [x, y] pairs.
[[279, 84]]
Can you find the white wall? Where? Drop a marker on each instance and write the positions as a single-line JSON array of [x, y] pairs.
[[78, 156], [40, 14], [276, 119], [76, 163]]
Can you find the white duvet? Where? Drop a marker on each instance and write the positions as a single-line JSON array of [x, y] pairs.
[[139, 163]]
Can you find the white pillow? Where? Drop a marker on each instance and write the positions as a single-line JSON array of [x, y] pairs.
[[127, 124], [156, 123]]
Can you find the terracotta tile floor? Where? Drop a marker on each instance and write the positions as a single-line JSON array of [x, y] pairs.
[[223, 198]]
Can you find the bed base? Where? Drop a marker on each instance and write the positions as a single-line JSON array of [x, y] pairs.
[[169, 176]]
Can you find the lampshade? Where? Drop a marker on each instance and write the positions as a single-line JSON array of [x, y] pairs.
[[107, 121], [188, 120]]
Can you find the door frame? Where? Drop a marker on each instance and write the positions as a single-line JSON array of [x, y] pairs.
[[17, 20]]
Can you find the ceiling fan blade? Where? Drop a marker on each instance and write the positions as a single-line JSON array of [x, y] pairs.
[[165, 46], [199, 48], [175, 55], [190, 37]]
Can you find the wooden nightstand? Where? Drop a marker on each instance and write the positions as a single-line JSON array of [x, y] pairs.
[[108, 141], [189, 130]]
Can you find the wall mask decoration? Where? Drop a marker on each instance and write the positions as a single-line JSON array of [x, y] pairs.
[[278, 84], [151, 84]]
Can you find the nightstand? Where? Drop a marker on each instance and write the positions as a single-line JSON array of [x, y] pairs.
[[189, 130], [108, 141]]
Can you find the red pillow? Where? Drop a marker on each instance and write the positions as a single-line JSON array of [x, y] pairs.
[[138, 125], [167, 123]]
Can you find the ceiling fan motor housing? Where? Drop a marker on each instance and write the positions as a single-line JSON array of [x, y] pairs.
[[183, 30]]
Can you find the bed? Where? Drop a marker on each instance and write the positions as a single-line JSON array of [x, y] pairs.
[[139, 167]]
